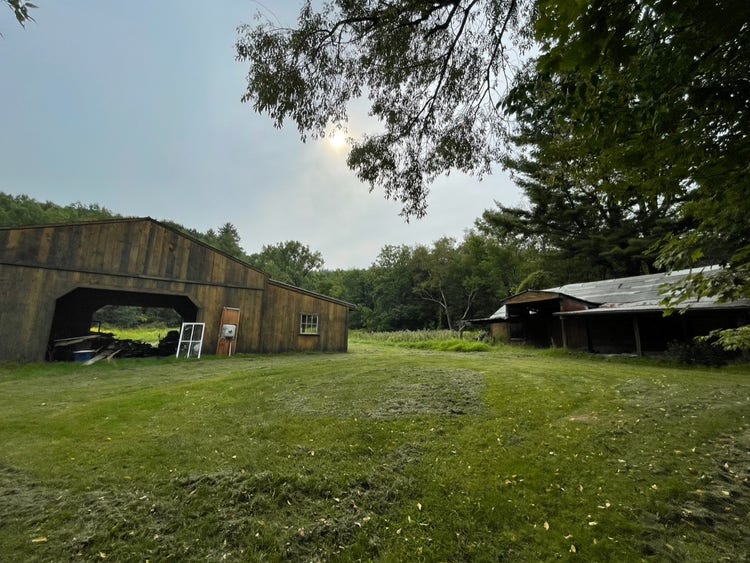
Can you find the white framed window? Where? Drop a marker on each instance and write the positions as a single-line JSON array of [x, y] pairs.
[[308, 323], [191, 340]]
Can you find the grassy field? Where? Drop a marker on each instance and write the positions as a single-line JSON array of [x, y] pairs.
[[147, 335], [386, 453]]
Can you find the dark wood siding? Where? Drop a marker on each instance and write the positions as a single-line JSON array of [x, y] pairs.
[[281, 331], [131, 248], [500, 331], [39, 265], [576, 335]]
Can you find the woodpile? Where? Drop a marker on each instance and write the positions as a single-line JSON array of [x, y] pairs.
[[95, 347]]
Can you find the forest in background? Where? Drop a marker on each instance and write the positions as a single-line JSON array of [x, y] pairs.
[[406, 288]]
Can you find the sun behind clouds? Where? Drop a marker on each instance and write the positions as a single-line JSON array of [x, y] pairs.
[[337, 140]]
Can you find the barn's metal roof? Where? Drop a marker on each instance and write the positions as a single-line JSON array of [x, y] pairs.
[[646, 288], [634, 294]]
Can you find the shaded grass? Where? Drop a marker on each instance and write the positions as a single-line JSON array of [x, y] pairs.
[[450, 345], [437, 340], [383, 453]]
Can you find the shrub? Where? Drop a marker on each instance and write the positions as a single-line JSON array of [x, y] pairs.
[[697, 352], [731, 339]]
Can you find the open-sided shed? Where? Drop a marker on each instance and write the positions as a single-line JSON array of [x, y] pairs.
[[624, 315], [54, 277]]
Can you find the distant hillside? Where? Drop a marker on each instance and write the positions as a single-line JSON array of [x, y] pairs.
[[16, 211]]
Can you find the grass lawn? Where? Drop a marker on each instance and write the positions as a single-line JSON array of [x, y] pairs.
[[147, 335], [385, 453]]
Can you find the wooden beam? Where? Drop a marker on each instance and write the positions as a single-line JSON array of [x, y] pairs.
[[637, 334]]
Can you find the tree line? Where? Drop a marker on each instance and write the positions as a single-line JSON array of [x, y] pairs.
[[440, 285]]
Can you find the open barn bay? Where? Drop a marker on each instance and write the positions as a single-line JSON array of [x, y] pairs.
[[385, 453]]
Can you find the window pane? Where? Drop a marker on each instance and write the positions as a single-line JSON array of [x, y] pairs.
[[308, 324]]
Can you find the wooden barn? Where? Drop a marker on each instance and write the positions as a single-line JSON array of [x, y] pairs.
[[623, 315], [54, 277]]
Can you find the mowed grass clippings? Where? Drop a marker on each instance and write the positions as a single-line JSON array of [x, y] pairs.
[[384, 453]]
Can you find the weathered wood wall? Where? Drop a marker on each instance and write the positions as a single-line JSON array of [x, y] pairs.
[[140, 262], [500, 331], [281, 331], [138, 249], [576, 333]]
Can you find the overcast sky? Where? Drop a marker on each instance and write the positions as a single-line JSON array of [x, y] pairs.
[[135, 105]]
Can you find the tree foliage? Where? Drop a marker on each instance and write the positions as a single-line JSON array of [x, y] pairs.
[[127, 316], [23, 210], [291, 262], [586, 211], [354, 286], [629, 125], [395, 274], [655, 95], [434, 71], [465, 279], [436, 286], [227, 239], [733, 340], [21, 10]]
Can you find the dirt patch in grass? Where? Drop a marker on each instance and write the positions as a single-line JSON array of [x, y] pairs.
[[432, 391], [416, 391]]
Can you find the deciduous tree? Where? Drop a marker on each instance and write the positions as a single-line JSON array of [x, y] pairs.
[[21, 10], [290, 262], [434, 71], [653, 95], [395, 274]]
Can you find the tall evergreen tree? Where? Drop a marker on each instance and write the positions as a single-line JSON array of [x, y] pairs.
[[580, 205], [655, 91]]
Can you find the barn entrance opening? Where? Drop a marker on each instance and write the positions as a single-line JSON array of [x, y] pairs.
[[72, 337]]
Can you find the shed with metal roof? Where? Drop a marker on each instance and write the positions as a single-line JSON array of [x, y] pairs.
[[623, 315]]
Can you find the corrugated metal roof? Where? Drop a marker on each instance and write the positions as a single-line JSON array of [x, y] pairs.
[[656, 307], [646, 288], [501, 313], [636, 293]]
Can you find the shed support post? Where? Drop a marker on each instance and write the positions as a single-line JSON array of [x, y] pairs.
[[637, 334], [564, 336]]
